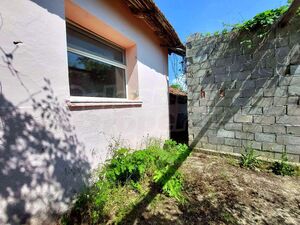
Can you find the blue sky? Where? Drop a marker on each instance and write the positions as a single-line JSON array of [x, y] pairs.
[[191, 16]]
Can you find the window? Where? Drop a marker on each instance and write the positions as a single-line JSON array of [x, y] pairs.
[[96, 67]]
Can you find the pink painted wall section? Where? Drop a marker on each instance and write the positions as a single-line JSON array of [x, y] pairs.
[[47, 151]]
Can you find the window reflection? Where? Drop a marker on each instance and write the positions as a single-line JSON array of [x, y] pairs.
[[92, 78]]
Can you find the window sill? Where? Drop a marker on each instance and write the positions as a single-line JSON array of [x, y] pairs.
[[105, 104]]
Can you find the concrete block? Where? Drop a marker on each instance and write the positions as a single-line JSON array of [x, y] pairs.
[[293, 149], [199, 110], [251, 144], [264, 120], [262, 101], [209, 146], [291, 157], [200, 58], [265, 82], [224, 148], [295, 69], [224, 102], [216, 140], [285, 80], [281, 91], [233, 142], [233, 126], [294, 130], [206, 79], [244, 136], [239, 118], [240, 76], [246, 84], [274, 129], [288, 140], [225, 133], [240, 150], [211, 132], [252, 128], [219, 71], [293, 100], [222, 78], [224, 62], [282, 55], [204, 102], [280, 101], [281, 41], [273, 147], [240, 102], [274, 110], [252, 110], [293, 110], [247, 93], [268, 155], [262, 72], [294, 90], [288, 120], [263, 137]]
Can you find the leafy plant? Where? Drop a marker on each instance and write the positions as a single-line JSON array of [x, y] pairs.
[[176, 86], [249, 159], [216, 33], [171, 186], [125, 179], [126, 166], [262, 20], [282, 167]]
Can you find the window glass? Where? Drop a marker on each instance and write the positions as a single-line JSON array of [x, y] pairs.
[[93, 78], [83, 41]]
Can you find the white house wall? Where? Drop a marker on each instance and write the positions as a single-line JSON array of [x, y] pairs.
[[48, 151]]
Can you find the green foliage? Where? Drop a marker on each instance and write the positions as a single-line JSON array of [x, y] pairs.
[[259, 23], [176, 86], [126, 166], [247, 43], [216, 33], [170, 186], [262, 20], [224, 31], [282, 167], [129, 172], [249, 159]]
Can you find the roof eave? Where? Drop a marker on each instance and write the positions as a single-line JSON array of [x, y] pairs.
[[155, 19]]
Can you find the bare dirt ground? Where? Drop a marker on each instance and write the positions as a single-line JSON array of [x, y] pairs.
[[219, 192]]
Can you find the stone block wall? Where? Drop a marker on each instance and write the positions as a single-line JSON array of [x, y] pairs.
[[241, 96]]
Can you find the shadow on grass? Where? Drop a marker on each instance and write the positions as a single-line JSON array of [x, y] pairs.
[[155, 189], [241, 93]]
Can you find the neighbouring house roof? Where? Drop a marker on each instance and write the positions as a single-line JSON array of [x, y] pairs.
[[177, 92], [155, 19]]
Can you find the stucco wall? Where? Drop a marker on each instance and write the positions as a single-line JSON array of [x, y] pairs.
[[246, 96], [47, 151]]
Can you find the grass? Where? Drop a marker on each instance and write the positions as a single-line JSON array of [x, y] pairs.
[[125, 180], [251, 160]]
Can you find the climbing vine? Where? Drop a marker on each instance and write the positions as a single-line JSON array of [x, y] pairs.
[[259, 23], [262, 20]]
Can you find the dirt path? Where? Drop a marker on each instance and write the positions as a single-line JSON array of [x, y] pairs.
[[221, 193]]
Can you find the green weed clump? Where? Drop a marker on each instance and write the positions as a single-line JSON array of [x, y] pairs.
[[282, 167], [125, 179], [249, 159]]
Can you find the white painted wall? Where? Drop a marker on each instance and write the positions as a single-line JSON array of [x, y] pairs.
[[46, 150]]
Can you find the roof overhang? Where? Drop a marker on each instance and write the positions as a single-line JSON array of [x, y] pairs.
[[155, 19]]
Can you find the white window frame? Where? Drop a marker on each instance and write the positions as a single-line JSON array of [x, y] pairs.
[[100, 59]]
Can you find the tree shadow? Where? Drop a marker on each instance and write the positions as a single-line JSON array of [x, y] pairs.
[[42, 162], [262, 65], [251, 80]]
